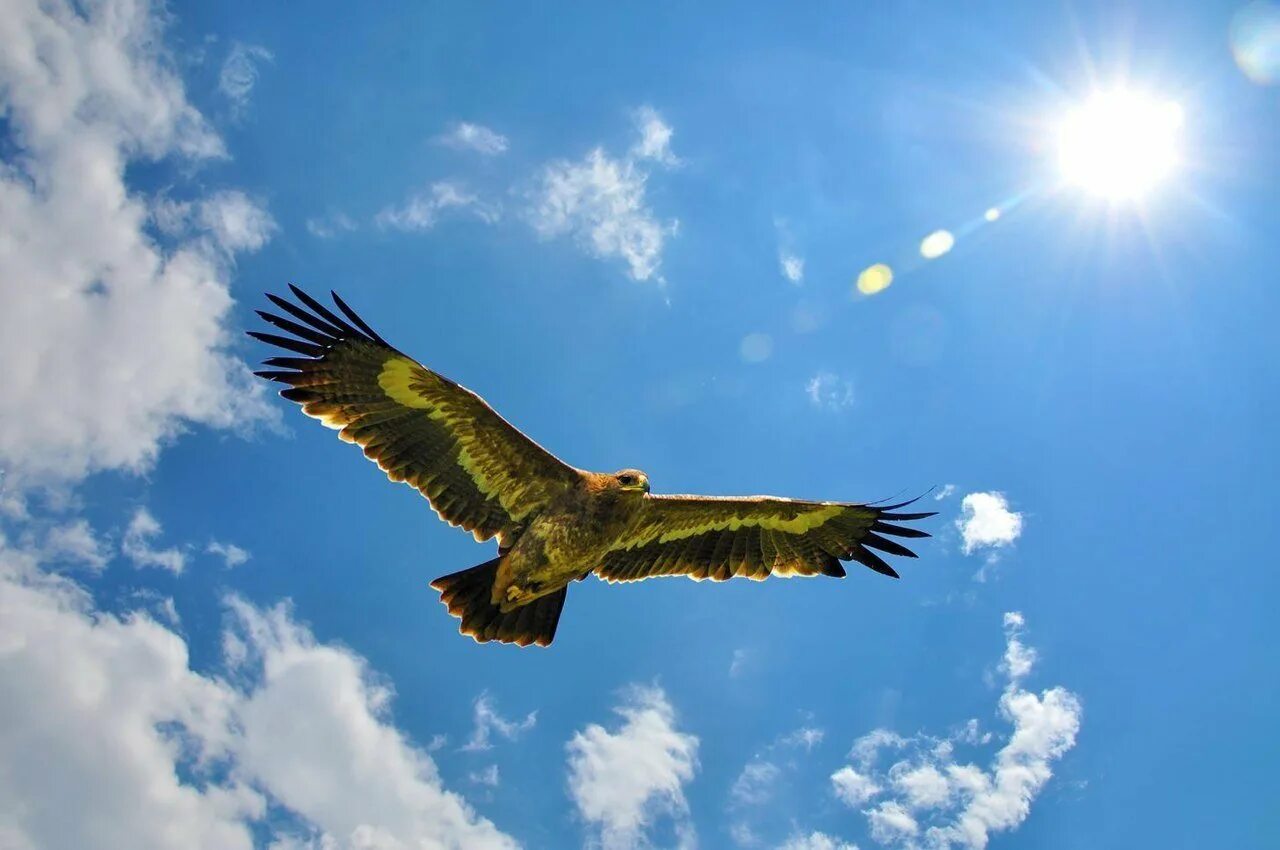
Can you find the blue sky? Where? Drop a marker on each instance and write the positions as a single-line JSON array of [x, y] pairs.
[[636, 232]]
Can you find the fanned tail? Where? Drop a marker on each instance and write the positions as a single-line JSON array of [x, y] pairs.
[[467, 595]]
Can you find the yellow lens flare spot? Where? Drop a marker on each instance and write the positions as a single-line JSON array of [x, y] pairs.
[[992, 214], [875, 279], [1120, 144], [936, 244]]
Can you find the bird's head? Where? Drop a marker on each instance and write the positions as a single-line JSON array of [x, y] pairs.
[[632, 480]]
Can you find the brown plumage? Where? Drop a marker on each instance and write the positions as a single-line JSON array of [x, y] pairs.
[[554, 523]]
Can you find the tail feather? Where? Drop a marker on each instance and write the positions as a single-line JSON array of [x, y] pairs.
[[467, 596]]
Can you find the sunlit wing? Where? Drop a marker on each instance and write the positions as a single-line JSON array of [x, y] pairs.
[[719, 538], [475, 468]]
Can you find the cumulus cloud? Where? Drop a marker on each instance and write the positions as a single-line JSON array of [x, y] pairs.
[[600, 201], [986, 522], [473, 137], [929, 797], [239, 73], [100, 717], [852, 787], [94, 303], [137, 545], [488, 721], [347, 771], [123, 746], [423, 210], [828, 391], [231, 554], [623, 780]]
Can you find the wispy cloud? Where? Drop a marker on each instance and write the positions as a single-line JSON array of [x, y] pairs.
[[816, 841], [331, 224], [929, 796], [655, 137], [829, 391], [231, 554], [600, 201], [423, 210], [137, 545], [239, 73], [75, 541], [488, 722], [755, 784], [473, 137], [621, 781], [792, 266]]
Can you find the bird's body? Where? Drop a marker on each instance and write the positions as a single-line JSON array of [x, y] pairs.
[[555, 524], [567, 539]]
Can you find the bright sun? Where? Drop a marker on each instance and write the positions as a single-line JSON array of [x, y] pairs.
[[1120, 144]]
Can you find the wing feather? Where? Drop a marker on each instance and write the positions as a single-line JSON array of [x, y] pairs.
[[476, 469], [718, 538]]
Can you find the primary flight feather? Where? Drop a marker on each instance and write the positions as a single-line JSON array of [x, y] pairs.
[[554, 523]]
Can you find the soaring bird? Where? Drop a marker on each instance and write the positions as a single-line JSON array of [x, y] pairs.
[[554, 523]]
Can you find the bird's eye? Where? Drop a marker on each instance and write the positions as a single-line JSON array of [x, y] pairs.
[[628, 479]]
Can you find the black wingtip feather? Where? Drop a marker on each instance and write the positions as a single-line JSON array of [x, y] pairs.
[[288, 344], [870, 559], [875, 541], [351, 314]]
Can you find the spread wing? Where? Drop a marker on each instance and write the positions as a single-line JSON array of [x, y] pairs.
[[718, 538], [421, 428]]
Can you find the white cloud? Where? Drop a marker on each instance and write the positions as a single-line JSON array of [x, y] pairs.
[[853, 788], [474, 137], [231, 554], [489, 721], [829, 391], [600, 201], [137, 545], [76, 542], [111, 343], [235, 221], [331, 224], [624, 780], [98, 716], [655, 137], [792, 266], [346, 771], [923, 786], [807, 737], [930, 797], [986, 522], [816, 841], [488, 777], [945, 492], [891, 822], [240, 73], [755, 783], [738, 662], [423, 210]]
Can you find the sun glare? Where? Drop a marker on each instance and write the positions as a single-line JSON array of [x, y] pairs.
[[1120, 144]]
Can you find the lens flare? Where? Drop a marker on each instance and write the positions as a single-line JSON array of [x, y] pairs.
[[875, 279], [1255, 42], [936, 244]]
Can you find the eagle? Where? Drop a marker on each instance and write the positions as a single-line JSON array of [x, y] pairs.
[[554, 523]]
